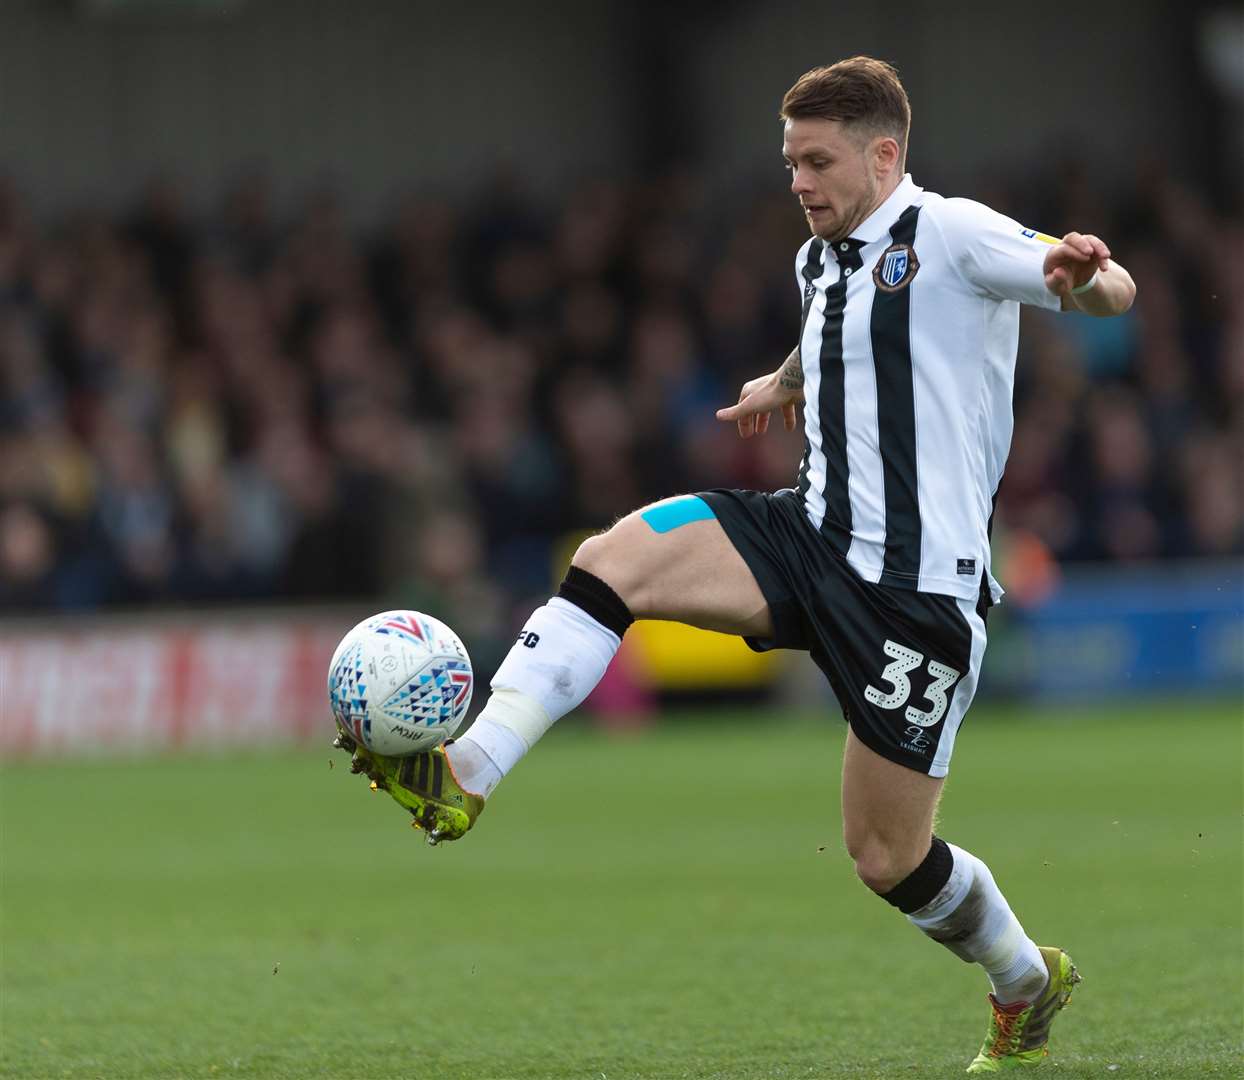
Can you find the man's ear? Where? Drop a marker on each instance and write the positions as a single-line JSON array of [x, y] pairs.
[[886, 155]]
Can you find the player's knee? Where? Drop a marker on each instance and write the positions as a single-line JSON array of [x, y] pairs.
[[592, 553], [597, 555], [602, 557], [878, 864]]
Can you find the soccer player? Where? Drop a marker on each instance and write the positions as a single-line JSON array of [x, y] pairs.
[[876, 562]]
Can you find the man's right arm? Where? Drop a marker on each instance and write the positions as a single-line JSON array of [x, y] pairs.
[[781, 389], [790, 374]]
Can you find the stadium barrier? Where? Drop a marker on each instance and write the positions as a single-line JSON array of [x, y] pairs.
[[153, 683], [1173, 629], [146, 683]]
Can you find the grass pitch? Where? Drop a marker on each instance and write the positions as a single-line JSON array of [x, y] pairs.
[[673, 904]]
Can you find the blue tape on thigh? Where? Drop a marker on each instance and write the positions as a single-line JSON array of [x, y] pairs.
[[668, 516]]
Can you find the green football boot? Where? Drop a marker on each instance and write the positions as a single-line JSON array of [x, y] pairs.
[[422, 783], [1019, 1033]]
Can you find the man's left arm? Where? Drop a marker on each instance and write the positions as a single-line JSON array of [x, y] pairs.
[[1080, 271], [1003, 259]]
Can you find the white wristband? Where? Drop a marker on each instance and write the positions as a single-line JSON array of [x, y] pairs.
[[1086, 286]]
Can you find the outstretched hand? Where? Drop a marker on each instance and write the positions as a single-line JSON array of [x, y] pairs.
[[758, 399], [1073, 260]]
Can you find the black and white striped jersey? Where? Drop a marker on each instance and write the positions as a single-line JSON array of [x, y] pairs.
[[908, 341]]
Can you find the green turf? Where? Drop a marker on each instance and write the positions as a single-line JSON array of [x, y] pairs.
[[261, 916]]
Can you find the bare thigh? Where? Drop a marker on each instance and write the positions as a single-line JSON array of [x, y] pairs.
[[888, 812], [691, 574]]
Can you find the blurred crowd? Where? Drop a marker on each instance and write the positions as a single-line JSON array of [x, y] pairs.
[[251, 405]]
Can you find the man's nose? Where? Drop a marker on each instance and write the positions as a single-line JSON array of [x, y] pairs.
[[799, 182]]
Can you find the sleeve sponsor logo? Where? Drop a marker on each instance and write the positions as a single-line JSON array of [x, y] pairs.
[[1032, 234]]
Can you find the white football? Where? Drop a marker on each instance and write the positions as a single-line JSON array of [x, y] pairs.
[[400, 682]]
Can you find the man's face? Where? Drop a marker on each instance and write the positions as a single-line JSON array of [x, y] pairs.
[[832, 175]]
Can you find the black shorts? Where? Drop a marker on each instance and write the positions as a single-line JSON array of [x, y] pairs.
[[903, 664]]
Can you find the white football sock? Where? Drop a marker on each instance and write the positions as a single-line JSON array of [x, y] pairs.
[[556, 662], [493, 746], [971, 917]]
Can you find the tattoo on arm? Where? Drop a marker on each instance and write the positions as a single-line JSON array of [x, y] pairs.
[[791, 375]]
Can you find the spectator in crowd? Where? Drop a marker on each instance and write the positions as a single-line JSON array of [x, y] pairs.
[[249, 408]]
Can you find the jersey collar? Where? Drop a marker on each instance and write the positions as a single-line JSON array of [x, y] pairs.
[[878, 223]]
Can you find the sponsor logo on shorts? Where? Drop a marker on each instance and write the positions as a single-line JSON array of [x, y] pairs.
[[918, 741]]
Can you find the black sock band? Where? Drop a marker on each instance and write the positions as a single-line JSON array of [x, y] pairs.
[[597, 599], [925, 881]]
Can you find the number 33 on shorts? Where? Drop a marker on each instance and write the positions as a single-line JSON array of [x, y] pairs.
[[895, 673]]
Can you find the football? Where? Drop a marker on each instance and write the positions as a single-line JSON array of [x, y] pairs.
[[400, 682]]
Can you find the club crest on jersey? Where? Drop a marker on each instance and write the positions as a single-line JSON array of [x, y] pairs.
[[896, 267]]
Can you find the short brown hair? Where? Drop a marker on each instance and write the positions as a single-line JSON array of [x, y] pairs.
[[860, 92]]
